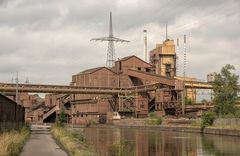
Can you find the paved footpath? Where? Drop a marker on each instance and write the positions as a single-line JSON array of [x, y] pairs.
[[41, 143]]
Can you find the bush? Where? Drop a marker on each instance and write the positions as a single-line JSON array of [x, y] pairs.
[[152, 115], [154, 119], [207, 119]]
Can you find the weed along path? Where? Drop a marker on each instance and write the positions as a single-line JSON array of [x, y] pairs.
[[41, 143]]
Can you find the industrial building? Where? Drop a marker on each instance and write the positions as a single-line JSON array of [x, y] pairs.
[[132, 87], [129, 71]]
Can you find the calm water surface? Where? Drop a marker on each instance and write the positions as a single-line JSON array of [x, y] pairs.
[[162, 143]]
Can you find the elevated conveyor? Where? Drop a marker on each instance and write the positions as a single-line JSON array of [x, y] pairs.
[[151, 77]]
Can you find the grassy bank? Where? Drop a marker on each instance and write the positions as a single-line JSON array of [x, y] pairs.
[[11, 143], [72, 142]]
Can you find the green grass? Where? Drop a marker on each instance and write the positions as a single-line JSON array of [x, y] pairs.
[[11, 143], [73, 142]]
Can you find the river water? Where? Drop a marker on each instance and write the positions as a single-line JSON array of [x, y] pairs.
[[142, 142]]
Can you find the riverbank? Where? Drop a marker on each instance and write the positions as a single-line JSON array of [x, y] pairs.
[[228, 127], [190, 129], [72, 142], [12, 142]]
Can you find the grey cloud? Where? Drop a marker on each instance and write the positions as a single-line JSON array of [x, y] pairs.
[[48, 41]]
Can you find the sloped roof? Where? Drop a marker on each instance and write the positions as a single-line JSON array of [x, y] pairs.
[[129, 57], [126, 58], [92, 70]]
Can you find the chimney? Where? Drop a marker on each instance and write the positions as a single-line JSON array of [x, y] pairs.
[[145, 45]]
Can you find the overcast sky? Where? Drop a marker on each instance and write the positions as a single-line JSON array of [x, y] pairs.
[[49, 40]]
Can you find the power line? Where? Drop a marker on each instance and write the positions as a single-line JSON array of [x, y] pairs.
[[210, 17]]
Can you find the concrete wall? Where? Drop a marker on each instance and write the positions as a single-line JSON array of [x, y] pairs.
[[11, 114]]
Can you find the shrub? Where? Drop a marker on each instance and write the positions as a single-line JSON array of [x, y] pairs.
[[158, 121], [152, 115], [207, 119], [154, 119]]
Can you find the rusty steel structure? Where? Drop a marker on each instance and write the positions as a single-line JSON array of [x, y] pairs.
[[64, 89], [45, 88]]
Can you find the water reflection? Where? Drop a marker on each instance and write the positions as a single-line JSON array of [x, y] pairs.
[[162, 143]]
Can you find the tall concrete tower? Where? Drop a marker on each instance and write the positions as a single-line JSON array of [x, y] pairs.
[[163, 57]]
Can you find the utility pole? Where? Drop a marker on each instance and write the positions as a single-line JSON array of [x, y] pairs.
[[111, 58], [17, 96]]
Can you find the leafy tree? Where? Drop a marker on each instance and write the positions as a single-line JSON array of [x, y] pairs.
[[225, 88], [62, 118]]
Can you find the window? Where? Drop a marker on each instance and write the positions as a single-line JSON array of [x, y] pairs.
[[168, 70], [120, 65]]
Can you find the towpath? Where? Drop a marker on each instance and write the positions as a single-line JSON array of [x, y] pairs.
[[41, 143]]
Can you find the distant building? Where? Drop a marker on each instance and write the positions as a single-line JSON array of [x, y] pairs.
[[211, 77]]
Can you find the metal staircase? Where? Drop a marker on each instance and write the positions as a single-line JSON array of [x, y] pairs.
[[50, 112]]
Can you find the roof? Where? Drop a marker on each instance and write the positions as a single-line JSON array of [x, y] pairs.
[[5, 97], [10, 100], [93, 70], [128, 57]]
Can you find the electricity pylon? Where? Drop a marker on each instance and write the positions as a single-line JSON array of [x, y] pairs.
[[110, 39]]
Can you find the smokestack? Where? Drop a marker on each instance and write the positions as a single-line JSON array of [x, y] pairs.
[[184, 56], [166, 32], [145, 45], [177, 58]]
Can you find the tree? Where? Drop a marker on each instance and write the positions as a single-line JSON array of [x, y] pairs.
[[225, 88], [62, 118]]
